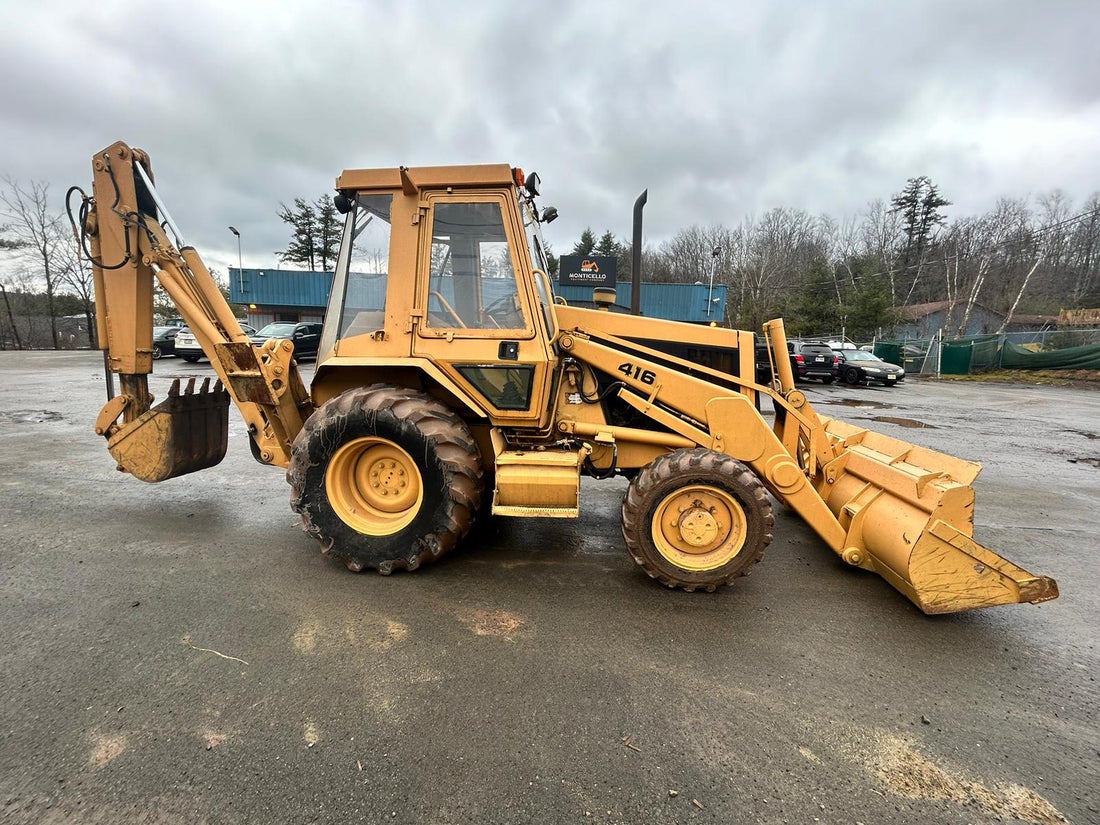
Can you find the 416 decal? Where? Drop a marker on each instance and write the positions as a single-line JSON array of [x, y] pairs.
[[637, 373]]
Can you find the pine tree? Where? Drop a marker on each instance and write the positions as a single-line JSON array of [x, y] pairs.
[[919, 205], [327, 241], [303, 241], [608, 245], [586, 244]]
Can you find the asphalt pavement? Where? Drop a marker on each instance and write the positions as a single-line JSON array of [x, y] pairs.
[[182, 653]]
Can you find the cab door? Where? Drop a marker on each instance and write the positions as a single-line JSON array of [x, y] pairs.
[[476, 307]]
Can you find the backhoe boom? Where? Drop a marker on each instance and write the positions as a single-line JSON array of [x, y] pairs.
[[121, 232]]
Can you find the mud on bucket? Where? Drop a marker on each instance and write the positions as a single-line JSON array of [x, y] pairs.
[[188, 431]]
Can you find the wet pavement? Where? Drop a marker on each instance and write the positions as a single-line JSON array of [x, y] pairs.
[[181, 652]]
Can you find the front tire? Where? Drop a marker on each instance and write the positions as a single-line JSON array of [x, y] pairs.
[[190, 359], [385, 478], [851, 375], [696, 519]]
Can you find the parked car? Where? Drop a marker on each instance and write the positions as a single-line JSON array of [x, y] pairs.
[[164, 341], [763, 364], [857, 366], [305, 336], [187, 347], [811, 360]]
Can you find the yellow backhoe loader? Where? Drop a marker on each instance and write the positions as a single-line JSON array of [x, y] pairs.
[[451, 384]]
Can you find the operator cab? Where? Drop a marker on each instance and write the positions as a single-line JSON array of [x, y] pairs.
[[446, 265]]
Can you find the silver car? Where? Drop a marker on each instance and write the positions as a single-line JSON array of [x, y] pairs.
[[187, 347]]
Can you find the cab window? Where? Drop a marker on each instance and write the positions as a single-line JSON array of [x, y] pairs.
[[473, 282]]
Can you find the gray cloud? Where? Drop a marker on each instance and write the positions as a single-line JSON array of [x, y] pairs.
[[721, 110]]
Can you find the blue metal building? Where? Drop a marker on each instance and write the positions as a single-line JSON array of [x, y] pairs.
[[280, 294], [696, 303], [301, 295]]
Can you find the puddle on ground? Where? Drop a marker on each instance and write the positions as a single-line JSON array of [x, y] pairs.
[[902, 422], [30, 416], [1089, 436], [1092, 462], [859, 404]]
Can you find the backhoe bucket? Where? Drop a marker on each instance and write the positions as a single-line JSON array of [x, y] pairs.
[[188, 431], [909, 516]]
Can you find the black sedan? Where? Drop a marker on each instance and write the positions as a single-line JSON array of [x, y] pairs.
[[305, 336], [857, 366], [164, 341]]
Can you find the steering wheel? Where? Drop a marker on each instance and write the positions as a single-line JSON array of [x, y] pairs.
[[450, 309], [505, 305]]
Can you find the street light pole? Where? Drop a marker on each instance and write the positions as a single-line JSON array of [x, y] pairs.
[[240, 266], [713, 266]]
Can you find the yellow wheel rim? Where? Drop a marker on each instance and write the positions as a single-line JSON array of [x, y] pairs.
[[374, 486], [699, 528]]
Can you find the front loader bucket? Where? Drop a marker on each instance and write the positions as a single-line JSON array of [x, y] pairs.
[[909, 516], [189, 431]]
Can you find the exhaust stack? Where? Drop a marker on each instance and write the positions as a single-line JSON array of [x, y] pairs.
[[636, 257]]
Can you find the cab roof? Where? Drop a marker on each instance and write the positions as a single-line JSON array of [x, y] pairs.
[[426, 177]]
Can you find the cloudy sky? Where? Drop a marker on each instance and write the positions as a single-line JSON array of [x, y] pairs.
[[721, 109]]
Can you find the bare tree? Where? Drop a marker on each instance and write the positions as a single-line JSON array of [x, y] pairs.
[[881, 230], [77, 276], [38, 230]]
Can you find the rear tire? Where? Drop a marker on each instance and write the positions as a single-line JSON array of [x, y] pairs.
[[156, 353], [696, 519], [385, 477], [828, 379], [190, 359]]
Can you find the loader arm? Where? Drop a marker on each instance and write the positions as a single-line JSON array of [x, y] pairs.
[[122, 233], [880, 504]]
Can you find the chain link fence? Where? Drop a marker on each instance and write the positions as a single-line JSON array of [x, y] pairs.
[[1047, 349]]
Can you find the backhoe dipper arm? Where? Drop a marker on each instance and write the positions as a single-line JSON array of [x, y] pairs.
[[120, 231]]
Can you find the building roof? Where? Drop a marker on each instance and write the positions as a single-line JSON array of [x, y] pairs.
[[914, 312], [1034, 319]]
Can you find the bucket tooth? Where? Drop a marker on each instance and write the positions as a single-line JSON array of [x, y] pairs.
[[205, 386], [190, 387], [174, 390]]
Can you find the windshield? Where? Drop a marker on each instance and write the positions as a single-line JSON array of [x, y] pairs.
[[277, 330], [357, 305], [859, 355], [533, 231], [159, 331]]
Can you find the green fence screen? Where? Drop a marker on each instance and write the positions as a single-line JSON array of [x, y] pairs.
[[962, 356], [1015, 357], [956, 357], [890, 353]]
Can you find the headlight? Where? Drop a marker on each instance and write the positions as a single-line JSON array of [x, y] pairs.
[[873, 370]]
